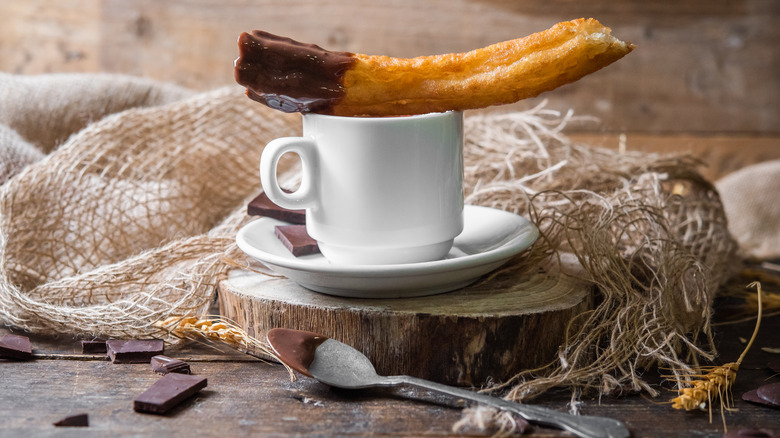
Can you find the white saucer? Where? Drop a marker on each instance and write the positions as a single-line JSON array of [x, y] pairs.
[[489, 239]]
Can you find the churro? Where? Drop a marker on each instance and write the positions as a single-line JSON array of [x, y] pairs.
[[296, 77]]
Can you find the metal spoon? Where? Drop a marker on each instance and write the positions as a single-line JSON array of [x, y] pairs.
[[336, 364]]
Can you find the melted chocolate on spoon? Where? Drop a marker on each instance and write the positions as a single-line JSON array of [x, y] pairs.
[[295, 348]]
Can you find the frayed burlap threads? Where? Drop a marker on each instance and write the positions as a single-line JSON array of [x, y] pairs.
[[481, 418], [120, 226], [647, 230]]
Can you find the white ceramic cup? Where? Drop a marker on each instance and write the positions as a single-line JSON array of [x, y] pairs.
[[376, 190]]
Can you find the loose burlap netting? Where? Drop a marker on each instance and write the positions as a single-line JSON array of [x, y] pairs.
[[133, 217]]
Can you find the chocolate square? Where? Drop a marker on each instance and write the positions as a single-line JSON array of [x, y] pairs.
[[749, 433], [15, 347], [770, 393], [93, 346], [164, 365], [166, 393], [78, 420], [296, 239], [262, 206], [753, 397], [134, 350]]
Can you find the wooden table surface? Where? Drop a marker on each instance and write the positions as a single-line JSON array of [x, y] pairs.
[[248, 397]]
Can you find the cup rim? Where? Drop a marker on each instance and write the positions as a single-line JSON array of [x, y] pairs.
[[357, 119]]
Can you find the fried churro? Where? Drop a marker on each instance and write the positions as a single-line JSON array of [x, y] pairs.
[[297, 77]]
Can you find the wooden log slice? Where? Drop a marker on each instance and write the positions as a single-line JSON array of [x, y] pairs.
[[490, 330]]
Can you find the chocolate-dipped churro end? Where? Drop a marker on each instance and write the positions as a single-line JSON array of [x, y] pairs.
[[288, 75]]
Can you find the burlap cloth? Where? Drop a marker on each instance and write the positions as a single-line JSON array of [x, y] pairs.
[[121, 198]]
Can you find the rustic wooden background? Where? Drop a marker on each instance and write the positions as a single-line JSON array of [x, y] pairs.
[[701, 67]]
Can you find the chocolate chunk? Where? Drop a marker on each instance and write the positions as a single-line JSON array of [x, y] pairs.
[[749, 433], [296, 239], [774, 365], [134, 350], [78, 420], [15, 347], [753, 397], [262, 206], [168, 392], [770, 393], [94, 346], [164, 365]]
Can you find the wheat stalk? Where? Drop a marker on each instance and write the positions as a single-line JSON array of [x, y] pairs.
[[220, 330], [716, 383]]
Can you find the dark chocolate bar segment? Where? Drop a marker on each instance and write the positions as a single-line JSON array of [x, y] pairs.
[[770, 393], [749, 433], [93, 346], [166, 393], [164, 365], [15, 347], [262, 206], [296, 239], [134, 350], [78, 420], [753, 397]]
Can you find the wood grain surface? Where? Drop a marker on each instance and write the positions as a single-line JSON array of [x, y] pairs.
[[488, 331], [247, 397]]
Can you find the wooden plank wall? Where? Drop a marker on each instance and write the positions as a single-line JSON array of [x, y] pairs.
[[701, 66]]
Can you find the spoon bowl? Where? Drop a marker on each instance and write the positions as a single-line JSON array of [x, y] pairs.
[[329, 367]]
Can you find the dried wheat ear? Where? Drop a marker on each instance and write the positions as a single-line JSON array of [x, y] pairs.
[[716, 383]]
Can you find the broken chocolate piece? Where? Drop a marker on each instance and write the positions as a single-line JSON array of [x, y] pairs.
[[78, 420], [296, 239], [774, 365], [134, 350], [94, 346], [770, 393], [168, 392], [262, 206], [753, 397], [15, 347], [749, 433], [164, 365]]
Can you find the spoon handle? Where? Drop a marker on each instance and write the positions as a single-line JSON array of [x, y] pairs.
[[580, 425]]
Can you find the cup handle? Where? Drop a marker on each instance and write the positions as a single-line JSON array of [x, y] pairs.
[[305, 148]]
